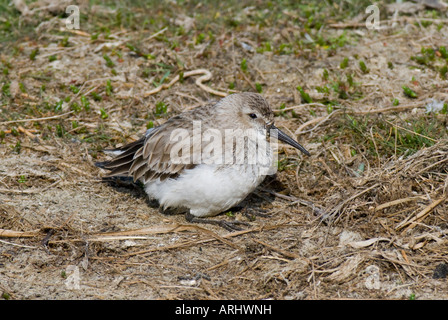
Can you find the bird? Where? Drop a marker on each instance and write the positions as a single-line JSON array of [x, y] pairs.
[[204, 161]]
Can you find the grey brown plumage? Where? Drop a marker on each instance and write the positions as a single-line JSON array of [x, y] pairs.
[[149, 157], [203, 188]]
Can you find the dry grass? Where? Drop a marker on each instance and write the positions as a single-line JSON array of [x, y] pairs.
[[364, 217]]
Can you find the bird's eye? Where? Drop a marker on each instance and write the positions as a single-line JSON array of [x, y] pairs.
[[253, 116]]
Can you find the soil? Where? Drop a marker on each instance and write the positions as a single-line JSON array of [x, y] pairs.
[[66, 234]]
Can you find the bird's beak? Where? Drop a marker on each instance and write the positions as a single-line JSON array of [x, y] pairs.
[[280, 135]]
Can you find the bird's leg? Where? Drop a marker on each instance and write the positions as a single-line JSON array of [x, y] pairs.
[[251, 213], [228, 225]]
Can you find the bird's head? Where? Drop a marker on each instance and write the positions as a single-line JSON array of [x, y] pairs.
[[252, 111]]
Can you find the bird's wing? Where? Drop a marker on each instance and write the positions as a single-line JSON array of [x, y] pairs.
[[149, 157], [167, 150], [164, 152]]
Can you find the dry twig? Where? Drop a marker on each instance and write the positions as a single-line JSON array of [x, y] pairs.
[[207, 75]]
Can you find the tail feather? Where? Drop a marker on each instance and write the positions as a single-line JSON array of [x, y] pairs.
[[121, 164], [101, 164]]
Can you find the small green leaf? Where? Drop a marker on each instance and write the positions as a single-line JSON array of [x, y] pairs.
[[96, 96], [85, 103], [58, 106], [344, 63], [161, 108], [18, 147], [305, 96], [325, 75], [363, 67], [244, 65], [104, 114], [34, 53], [409, 92], [64, 42], [444, 109], [22, 87], [74, 89], [181, 77], [443, 52], [230, 214], [60, 131], [5, 89], [109, 88], [75, 107], [109, 61]]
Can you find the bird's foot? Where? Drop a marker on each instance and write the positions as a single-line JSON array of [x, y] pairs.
[[228, 225], [251, 213]]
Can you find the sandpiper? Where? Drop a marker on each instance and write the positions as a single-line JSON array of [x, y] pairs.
[[206, 160]]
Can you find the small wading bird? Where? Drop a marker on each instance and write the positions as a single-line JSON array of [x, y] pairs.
[[206, 160]]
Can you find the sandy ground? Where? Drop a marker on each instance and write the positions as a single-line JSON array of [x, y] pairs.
[[80, 238]]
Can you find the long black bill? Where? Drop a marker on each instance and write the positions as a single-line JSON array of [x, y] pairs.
[[280, 135]]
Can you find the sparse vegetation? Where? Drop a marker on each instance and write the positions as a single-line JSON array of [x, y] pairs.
[[373, 192]]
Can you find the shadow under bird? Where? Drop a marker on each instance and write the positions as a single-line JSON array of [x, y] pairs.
[[193, 163]]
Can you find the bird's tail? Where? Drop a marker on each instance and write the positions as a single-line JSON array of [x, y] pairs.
[[120, 165]]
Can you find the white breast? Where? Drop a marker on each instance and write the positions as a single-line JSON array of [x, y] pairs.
[[206, 190], [209, 189]]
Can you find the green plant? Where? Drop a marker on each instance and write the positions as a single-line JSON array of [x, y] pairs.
[[58, 105], [60, 131], [103, 113], [75, 107], [443, 71], [109, 61], [160, 109], [33, 54], [5, 89], [85, 103], [74, 89], [17, 147], [325, 75], [344, 63], [409, 92], [305, 96], [444, 109], [96, 96], [243, 65], [109, 88], [363, 67]]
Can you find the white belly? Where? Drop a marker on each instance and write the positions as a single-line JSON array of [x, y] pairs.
[[206, 190]]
